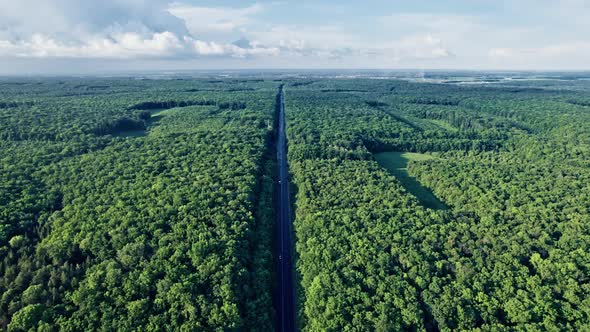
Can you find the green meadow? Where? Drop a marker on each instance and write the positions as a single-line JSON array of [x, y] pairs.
[[396, 163]]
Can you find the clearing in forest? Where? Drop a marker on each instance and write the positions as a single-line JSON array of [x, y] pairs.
[[396, 163]]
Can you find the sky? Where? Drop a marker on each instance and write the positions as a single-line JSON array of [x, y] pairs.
[[101, 36]]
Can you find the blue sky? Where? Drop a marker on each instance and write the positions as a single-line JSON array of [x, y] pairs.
[[72, 36]]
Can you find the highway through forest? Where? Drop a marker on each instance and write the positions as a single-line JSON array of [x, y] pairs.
[[285, 292]]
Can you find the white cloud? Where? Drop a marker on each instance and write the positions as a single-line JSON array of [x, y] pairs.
[[540, 33], [422, 47], [497, 54], [71, 20], [301, 37], [478, 41], [333, 42], [463, 34], [111, 29], [127, 45], [123, 45], [212, 48], [201, 20]]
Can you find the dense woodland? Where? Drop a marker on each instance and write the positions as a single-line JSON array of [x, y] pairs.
[[147, 205], [119, 215], [512, 164]]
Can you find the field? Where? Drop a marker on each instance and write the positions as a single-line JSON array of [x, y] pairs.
[[150, 204], [397, 164]]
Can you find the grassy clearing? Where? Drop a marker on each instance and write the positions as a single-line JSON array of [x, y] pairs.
[[156, 115], [160, 112], [397, 165], [444, 125], [131, 133]]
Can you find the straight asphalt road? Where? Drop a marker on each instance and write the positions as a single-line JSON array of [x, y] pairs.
[[285, 294]]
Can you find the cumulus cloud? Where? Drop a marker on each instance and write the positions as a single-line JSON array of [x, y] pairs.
[[117, 45], [105, 29], [164, 29], [72, 20], [532, 34], [543, 33], [435, 35], [299, 37], [333, 42], [127, 45], [421, 47]]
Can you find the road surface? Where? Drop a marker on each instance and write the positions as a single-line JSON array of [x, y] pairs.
[[285, 294]]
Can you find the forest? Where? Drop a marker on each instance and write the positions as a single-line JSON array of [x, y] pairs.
[[136, 206], [149, 204], [508, 249]]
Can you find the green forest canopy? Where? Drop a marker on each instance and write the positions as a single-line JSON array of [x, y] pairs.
[[513, 167], [147, 204]]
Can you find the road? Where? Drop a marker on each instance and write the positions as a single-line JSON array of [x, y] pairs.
[[285, 294]]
